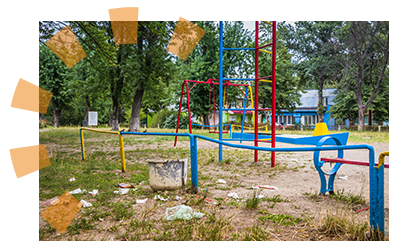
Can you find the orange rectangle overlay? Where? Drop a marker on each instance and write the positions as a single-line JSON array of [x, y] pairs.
[[185, 37], [67, 47], [124, 14], [62, 211], [27, 160], [30, 97]]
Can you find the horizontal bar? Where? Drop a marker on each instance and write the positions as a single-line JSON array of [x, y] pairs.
[[266, 109], [341, 160], [239, 79], [262, 80], [217, 132], [264, 77], [266, 45], [267, 22], [100, 131], [265, 51], [238, 49], [238, 139], [201, 125], [238, 109]]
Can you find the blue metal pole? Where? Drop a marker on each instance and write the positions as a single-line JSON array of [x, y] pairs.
[[221, 31], [193, 164]]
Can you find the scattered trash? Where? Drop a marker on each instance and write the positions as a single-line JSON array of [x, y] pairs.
[[121, 221], [362, 209], [254, 187], [234, 195], [159, 197], [221, 181], [125, 185], [204, 198], [343, 177], [72, 179], [121, 191], [267, 187], [100, 219], [86, 204], [177, 198], [51, 200], [141, 201], [142, 182], [94, 192], [78, 191], [295, 160], [260, 196], [181, 212]]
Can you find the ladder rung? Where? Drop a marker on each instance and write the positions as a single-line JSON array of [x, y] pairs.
[[262, 80], [267, 22]]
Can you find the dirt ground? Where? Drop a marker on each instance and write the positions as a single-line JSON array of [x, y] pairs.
[[291, 185]]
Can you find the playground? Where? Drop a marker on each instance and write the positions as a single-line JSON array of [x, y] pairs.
[[242, 185], [294, 211]]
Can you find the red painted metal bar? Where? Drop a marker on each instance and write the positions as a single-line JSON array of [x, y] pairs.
[[273, 91], [256, 97], [353, 162], [266, 45], [241, 90], [265, 77], [179, 115], [188, 101], [214, 105], [193, 86], [216, 132], [266, 109], [209, 107]]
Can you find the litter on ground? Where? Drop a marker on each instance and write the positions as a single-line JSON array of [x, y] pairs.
[[78, 191], [221, 181], [181, 212], [125, 185], [234, 195], [267, 187], [343, 177], [177, 198], [141, 201], [121, 191], [72, 179], [86, 204], [94, 192], [159, 197], [260, 196]]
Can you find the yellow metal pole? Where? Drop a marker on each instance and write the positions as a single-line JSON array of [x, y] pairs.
[[382, 158], [122, 152], [263, 80], [267, 22], [83, 146], [265, 51]]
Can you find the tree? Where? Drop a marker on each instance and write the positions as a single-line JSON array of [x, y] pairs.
[[153, 68], [315, 45], [365, 57], [288, 88], [53, 78]]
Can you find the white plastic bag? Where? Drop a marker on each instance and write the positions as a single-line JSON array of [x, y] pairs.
[[181, 212]]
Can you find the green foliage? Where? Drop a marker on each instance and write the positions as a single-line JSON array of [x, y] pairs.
[[172, 120]]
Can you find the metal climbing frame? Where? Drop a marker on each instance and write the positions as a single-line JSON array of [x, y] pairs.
[[256, 80]]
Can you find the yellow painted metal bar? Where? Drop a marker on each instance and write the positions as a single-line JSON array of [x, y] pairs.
[[265, 51], [262, 80], [83, 146], [267, 23], [252, 105], [122, 152], [382, 158], [267, 139], [100, 131]]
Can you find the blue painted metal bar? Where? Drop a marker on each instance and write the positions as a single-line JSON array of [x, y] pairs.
[[237, 48], [221, 74], [201, 125], [238, 79], [238, 109], [377, 218]]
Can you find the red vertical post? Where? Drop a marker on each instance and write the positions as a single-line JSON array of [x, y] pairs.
[[179, 114], [188, 101], [273, 91], [256, 98]]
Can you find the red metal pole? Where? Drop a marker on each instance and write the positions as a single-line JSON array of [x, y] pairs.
[[188, 101], [179, 114], [273, 91], [256, 99]]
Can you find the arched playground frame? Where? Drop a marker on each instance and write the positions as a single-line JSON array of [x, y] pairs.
[[376, 171]]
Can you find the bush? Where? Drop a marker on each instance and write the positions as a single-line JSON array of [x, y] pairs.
[[172, 120], [160, 117]]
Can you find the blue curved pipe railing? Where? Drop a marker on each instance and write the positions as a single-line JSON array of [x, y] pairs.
[[376, 174]]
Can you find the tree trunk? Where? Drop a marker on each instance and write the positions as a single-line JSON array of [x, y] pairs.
[[57, 114], [361, 117], [206, 120], [134, 125], [115, 114]]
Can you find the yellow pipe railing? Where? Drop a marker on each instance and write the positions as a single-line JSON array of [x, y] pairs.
[[267, 23], [265, 51]]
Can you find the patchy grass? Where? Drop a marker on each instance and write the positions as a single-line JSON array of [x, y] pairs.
[[118, 217]]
